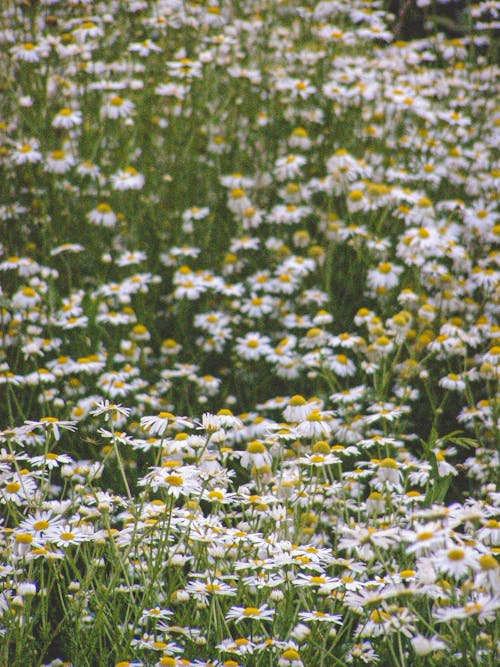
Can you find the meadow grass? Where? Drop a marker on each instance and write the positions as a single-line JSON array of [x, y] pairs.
[[249, 335]]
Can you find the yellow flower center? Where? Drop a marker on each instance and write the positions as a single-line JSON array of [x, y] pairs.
[[290, 654], [251, 611], [174, 480], [256, 447]]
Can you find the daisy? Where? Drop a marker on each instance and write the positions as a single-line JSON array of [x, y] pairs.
[[179, 481], [427, 539], [316, 425], [257, 306], [157, 424], [204, 589], [50, 460], [59, 162], [26, 298], [117, 107], [39, 523], [388, 472], [26, 153], [18, 489], [321, 617], [290, 658], [170, 660], [341, 365], [452, 382], [456, 561], [52, 425], [127, 179], [65, 535], [144, 48], [29, 52], [289, 166], [255, 455], [238, 614], [189, 289], [238, 201], [426, 645], [67, 247], [253, 346], [102, 215], [88, 168], [67, 118], [385, 276], [172, 89], [299, 409]]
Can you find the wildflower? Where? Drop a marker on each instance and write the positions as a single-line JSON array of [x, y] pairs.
[[59, 162], [341, 365], [255, 455], [316, 425], [117, 107], [50, 460], [174, 480], [172, 661], [298, 408], [320, 617], [18, 489], [289, 166], [223, 419], [388, 472], [52, 425], [67, 535], [426, 645], [67, 118], [253, 346], [238, 614], [488, 576], [385, 276], [27, 152], [238, 201], [103, 215], [290, 658], [127, 179], [157, 425], [88, 168], [67, 247], [29, 52], [427, 538], [456, 561]]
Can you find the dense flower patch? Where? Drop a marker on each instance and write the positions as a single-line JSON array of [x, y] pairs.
[[249, 336]]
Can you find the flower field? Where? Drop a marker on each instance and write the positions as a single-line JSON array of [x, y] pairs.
[[249, 334]]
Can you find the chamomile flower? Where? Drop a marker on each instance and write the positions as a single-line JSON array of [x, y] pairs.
[[127, 179], [67, 118], [316, 425], [158, 424], [59, 161], [52, 425], [103, 215], [289, 166], [427, 645], [341, 365], [117, 107], [238, 614], [456, 561], [384, 277], [27, 152], [255, 455], [290, 658], [253, 346]]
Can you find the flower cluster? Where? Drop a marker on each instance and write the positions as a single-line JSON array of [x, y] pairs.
[[250, 335]]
